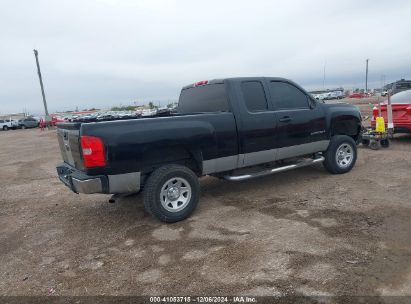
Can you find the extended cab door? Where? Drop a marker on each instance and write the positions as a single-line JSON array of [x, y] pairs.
[[257, 123], [301, 120]]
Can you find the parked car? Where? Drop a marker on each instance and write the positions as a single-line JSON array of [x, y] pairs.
[[358, 95], [339, 94], [236, 129], [401, 112], [321, 96], [28, 122], [333, 95], [6, 124]]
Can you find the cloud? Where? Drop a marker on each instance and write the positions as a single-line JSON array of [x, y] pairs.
[[103, 53]]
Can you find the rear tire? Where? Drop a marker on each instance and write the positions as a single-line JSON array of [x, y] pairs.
[[171, 193], [23, 127], [365, 142], [375, 145], [385, 143], [341, 154]]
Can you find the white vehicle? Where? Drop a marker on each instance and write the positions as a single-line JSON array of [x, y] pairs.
[[339, 94], [333, 95], [6, 124], [324, 96], [318, 96]]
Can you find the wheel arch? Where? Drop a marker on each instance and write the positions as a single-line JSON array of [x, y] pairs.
[[155, 158], [348, 125]]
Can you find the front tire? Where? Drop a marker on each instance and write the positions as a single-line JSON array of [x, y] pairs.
[[341, 154], [5, 128], [171, 193]]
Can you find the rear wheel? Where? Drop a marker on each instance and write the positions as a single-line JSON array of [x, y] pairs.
[[171, 193], [365, 142], [385, 143], [23, 126], [375, 145], [341, 154]]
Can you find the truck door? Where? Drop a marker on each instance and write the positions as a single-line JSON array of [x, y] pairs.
[[258, 123], [301, 121]]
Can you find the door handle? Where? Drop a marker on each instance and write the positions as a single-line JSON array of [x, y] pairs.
[[285, 119]]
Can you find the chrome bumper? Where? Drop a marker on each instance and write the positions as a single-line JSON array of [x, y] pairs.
[[87, 186], [79, 182]]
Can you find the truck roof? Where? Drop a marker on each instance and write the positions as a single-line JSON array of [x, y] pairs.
[[222, 80]]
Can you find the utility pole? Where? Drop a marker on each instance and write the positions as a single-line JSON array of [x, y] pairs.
[[325, 63], [390, 123], [366, 75], [382, 88], [36, 54]]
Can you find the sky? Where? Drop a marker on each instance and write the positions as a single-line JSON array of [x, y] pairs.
[[103, 53]]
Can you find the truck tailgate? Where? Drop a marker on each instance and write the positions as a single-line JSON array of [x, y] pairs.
[[69, 141]]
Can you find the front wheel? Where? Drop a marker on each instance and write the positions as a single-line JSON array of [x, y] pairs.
[[341, 154], [5, 128], [171, 193]]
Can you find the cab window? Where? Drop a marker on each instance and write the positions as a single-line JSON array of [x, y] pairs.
[[287, 96]]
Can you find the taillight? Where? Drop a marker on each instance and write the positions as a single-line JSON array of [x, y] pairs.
[[375, 112], [93, 151], [408, 110]]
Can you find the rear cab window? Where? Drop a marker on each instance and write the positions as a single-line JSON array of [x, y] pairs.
[[254, 96], [203, 98]]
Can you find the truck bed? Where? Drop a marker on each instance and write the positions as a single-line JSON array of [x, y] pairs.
[[138, 144]]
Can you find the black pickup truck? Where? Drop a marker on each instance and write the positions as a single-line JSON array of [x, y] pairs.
[[235, 128]]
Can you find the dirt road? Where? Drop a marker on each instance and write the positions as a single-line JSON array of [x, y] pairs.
[[302, 232]]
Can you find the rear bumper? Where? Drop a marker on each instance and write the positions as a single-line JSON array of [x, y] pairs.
[[79, 182]]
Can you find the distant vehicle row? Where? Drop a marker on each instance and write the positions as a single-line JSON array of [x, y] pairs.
[[6, 124], [329, 95]]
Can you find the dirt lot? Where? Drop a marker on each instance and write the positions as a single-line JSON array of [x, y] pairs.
[[302, 232]]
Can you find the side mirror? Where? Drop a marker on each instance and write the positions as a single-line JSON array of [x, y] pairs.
[[312, 103]]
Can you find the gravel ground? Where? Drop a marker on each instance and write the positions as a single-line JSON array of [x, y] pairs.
[[303, 232]]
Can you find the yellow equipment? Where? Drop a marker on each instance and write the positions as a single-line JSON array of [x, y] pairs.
[[375, 138], [379, 125]]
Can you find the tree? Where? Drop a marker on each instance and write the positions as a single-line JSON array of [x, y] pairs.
[[124, 108], [151, 105]]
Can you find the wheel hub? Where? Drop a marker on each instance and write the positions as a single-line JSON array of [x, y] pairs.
[[173, 193], [344, 155]]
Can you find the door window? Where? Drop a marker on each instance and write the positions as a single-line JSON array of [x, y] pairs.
[[254, 96], [287, 96]]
